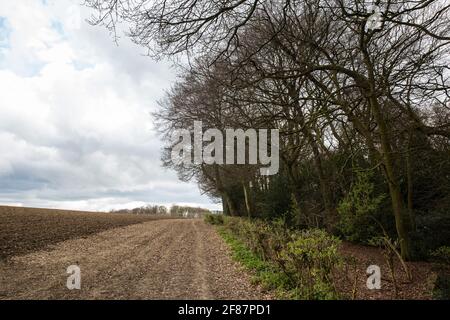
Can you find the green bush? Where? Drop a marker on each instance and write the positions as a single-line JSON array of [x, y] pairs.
[[279, 236], [433, 232], [441, 255], [266, 239], [255, 236], [214, 219], [357, 209], [233, 224], [309, 261], [264, 272], [441, 289], [301, 262]]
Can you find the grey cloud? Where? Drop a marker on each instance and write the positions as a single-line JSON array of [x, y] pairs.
[[78, 132]]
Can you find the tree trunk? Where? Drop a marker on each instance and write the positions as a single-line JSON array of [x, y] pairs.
[[248, 198], [226, 211], [400, 211], [409, 176], [230, 204], [324, 187]]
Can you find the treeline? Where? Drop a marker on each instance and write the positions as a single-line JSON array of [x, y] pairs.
[[363, 114], [174, 211]]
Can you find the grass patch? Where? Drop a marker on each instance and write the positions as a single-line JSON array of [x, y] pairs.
[[263, 272]]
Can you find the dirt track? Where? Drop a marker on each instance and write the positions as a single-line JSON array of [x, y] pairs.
[[164, 259]]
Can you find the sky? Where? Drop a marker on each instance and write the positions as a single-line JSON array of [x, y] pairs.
[[76, 130]]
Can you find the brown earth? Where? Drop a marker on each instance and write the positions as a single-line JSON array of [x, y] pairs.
[[142, 257], [352, 281], [162, 259], [25, 230]]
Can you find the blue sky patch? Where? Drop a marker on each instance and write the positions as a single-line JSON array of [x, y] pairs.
[[58, 27], [4, 32]]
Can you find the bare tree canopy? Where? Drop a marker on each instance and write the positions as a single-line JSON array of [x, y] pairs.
[[346, 96], [175, 26]]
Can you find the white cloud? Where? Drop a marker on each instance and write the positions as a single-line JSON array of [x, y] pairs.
[[75, 125]]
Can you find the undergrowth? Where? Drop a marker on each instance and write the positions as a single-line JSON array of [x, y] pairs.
[[293, 264]]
